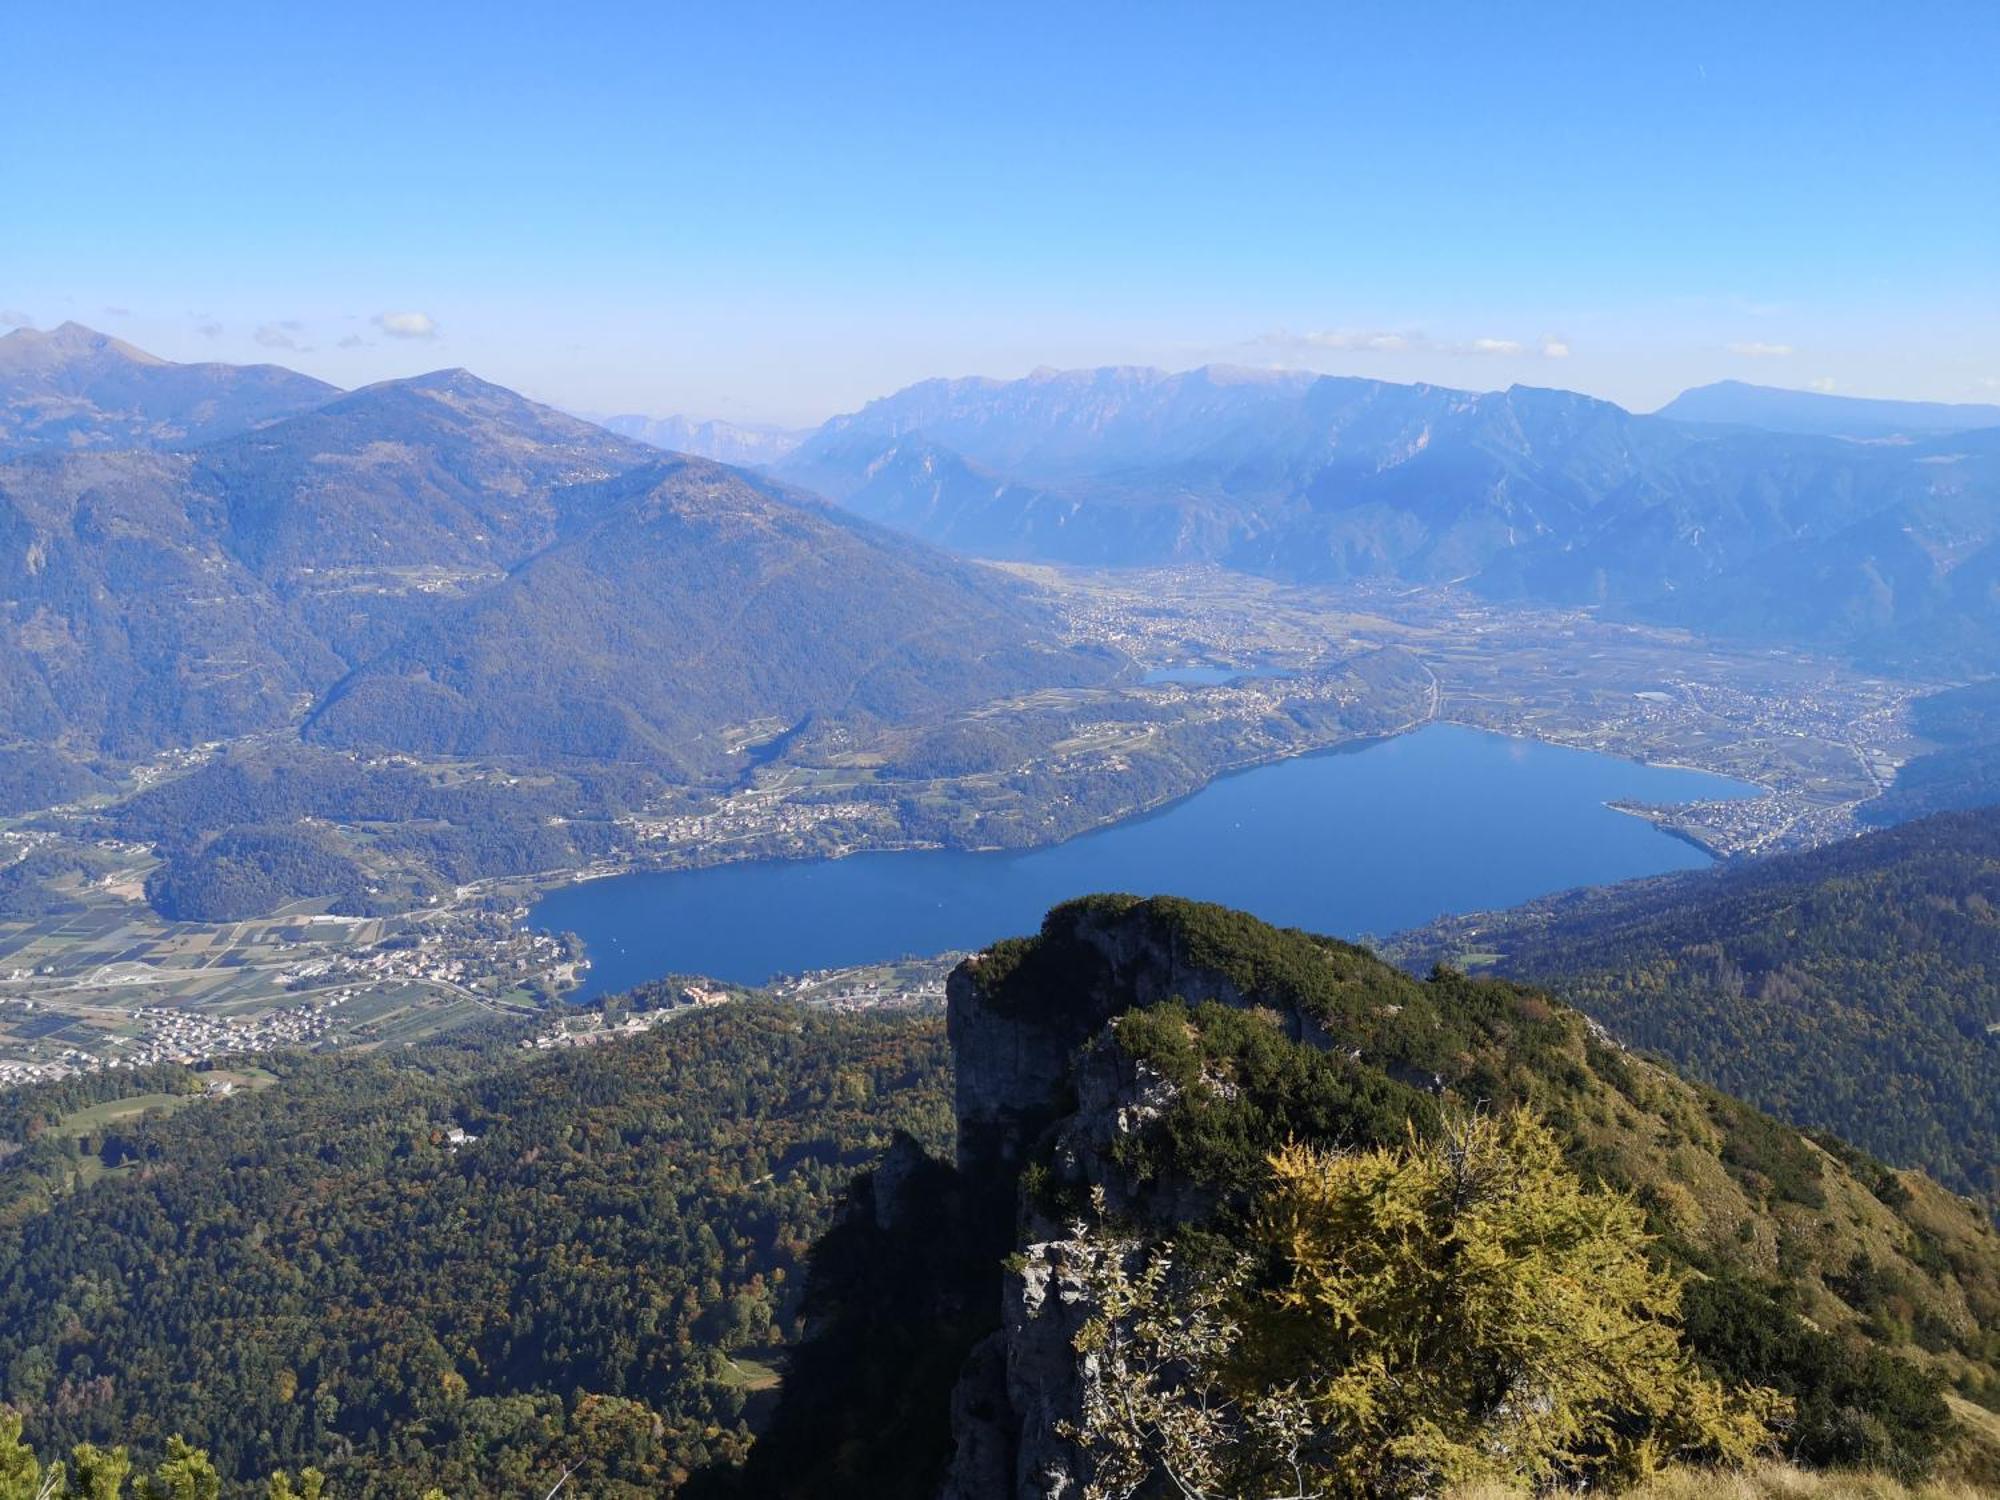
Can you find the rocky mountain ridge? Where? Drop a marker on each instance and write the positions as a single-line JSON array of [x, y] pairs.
[[744, 443], [1154, 1052], [1886, 550]]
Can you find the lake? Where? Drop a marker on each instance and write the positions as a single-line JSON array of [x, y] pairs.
[[1366, 840]]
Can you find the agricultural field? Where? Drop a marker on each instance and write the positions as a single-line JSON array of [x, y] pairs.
[[108, 983]]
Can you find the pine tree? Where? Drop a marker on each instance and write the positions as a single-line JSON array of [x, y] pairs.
[[20, 1470], [1466, 1309], [97, 1473], [184, 1474]]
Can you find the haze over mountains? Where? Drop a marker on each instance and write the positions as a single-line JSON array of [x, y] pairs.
[[725, 442], [1884, 550], [1732, 402]]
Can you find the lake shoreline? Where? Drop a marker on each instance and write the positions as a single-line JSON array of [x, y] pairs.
[[1410, 781]]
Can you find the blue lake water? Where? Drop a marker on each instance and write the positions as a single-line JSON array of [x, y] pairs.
[[1369, 840]]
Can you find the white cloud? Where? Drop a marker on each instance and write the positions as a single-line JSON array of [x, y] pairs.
[[354, 341], [1400, 341], [1752, 349], [1347, 342], [281, 335], [1824, 385], [407, 325], [117, 312], [14, 316], [209, 330]]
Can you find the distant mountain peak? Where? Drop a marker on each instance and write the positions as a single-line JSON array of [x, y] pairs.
[[1737, 403], [67, 342], [72, 387], [457, 378], [741, 443], [1228, 374], [455, 387], [453, 406]]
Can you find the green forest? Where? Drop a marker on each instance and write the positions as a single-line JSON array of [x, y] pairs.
[[474, 1266], [1854, 988], [461, 1266]]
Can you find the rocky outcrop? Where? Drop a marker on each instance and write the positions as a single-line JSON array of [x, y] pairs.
[[1020, 1449], [1019, 1013], [1038, 1078]]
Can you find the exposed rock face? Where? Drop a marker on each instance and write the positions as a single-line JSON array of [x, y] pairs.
[[1041, 1078], [985, 1427], [1036, 1077], [1013, 1038], [1021, 1385], [1045, 1308], [1009, 1075]]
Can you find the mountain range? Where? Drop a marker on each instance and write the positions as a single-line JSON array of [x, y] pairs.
[[192, 552], [725, 442], [1737, 404], [1889, 551], [438, 563], [72, 387]]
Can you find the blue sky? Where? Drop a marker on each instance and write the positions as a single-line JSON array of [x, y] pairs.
[[776, 212]]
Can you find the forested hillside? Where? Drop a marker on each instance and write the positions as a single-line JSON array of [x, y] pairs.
[[1963, 772], [256, 828], [1854, 988], [685, 599], [459, 1267], [471, 1265], [438, 564]]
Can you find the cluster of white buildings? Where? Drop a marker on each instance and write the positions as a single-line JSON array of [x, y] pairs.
[[635, 1025], [189, 1036], [186, 1037], [753, 814], [442, 958]]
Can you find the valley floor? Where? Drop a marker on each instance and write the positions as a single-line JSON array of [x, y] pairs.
[[109, 980]]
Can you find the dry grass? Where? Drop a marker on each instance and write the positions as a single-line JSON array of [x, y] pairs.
[[1764, 1482]]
